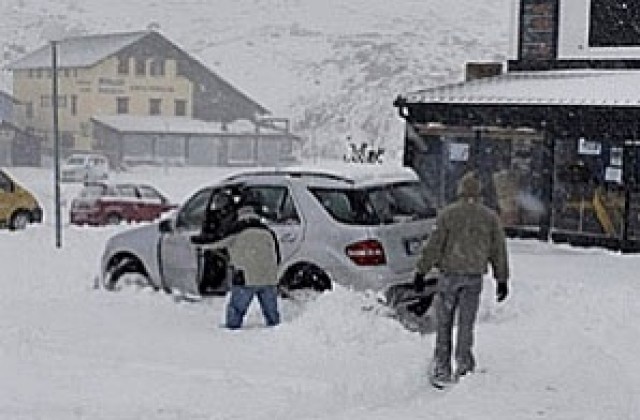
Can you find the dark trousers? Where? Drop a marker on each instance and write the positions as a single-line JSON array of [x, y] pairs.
[[456, 294], [241, 297]]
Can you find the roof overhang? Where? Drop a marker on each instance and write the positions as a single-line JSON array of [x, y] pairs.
[[619, 88]]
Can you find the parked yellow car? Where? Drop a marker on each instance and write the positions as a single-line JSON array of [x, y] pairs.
[[18, 207]]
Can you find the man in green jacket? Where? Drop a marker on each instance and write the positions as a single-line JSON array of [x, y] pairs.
[[468, 237]]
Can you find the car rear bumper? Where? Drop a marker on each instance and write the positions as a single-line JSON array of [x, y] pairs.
[[375, 278], [85, 218]]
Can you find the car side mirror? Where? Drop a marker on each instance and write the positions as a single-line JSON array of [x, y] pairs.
[[165, 226]]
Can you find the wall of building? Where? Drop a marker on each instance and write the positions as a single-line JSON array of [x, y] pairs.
[[85, 92]]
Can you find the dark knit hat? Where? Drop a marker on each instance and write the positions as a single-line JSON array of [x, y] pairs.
[[469, 185]]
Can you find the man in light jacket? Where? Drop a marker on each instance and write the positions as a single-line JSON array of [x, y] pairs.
[[254, 255], [468, 237]]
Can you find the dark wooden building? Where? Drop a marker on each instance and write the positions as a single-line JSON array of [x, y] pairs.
[[555, 138]]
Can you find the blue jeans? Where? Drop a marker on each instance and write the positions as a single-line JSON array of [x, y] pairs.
[[241, 297]]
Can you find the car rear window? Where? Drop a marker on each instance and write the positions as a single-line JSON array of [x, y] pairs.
[[384, 204], [75, 161], [93, 191], [128, 191]]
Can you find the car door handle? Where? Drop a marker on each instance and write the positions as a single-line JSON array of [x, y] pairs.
[[288, 237]]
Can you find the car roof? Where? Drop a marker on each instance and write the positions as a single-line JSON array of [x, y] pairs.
[[346, 175], [107, 184]]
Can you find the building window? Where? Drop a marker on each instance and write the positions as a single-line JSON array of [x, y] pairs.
[[123, 65], [141, 67], [74, 104], [122, 105], [67, 72], [180, 108], [613, 23], [154, 106], [156, 67], [39, 73], [31, 73], [29, 110]]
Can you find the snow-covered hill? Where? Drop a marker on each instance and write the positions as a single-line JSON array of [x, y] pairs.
[[332, 66]]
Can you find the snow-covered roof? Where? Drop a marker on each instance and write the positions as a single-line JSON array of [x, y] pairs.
[[559, 87], [83, 51], [361, 175], [158, 124], [180, 125]]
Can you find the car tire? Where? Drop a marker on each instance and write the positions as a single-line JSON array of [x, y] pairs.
[[121, 266], [113, 219], [305, 276], [19, 220]]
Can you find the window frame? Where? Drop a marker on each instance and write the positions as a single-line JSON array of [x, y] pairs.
[[200, 199], [123, 66], [276, 213], [157, 67], [140, 66], [155, 106], [122, 105], [180, 104]]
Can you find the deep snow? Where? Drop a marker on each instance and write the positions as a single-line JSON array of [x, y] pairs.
[[563, 345]]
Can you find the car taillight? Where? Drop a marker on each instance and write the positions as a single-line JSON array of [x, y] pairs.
[[368, 252]]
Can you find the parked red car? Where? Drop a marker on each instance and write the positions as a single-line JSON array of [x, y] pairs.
[[104, 204]]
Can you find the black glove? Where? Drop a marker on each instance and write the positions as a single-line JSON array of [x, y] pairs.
[[237, 278], [502, 290], [419, 283], [421, 306]]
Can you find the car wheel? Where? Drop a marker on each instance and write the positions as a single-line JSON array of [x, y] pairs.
[[305, 276], [125, 269], [19, 220], [114, 219]]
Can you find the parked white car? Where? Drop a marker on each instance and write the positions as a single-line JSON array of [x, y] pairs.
[[358, 228], [84, 167]]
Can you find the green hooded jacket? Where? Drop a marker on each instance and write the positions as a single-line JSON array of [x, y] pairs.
[[468, 237]]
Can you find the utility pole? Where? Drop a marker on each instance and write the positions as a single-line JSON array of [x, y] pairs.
[[56, 139]]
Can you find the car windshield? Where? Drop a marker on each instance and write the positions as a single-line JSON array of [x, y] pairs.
[[383, 204]]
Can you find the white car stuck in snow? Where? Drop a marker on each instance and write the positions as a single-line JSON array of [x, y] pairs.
[[358, 228]]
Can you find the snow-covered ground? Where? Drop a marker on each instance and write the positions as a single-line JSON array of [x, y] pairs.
[[563, 346]]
